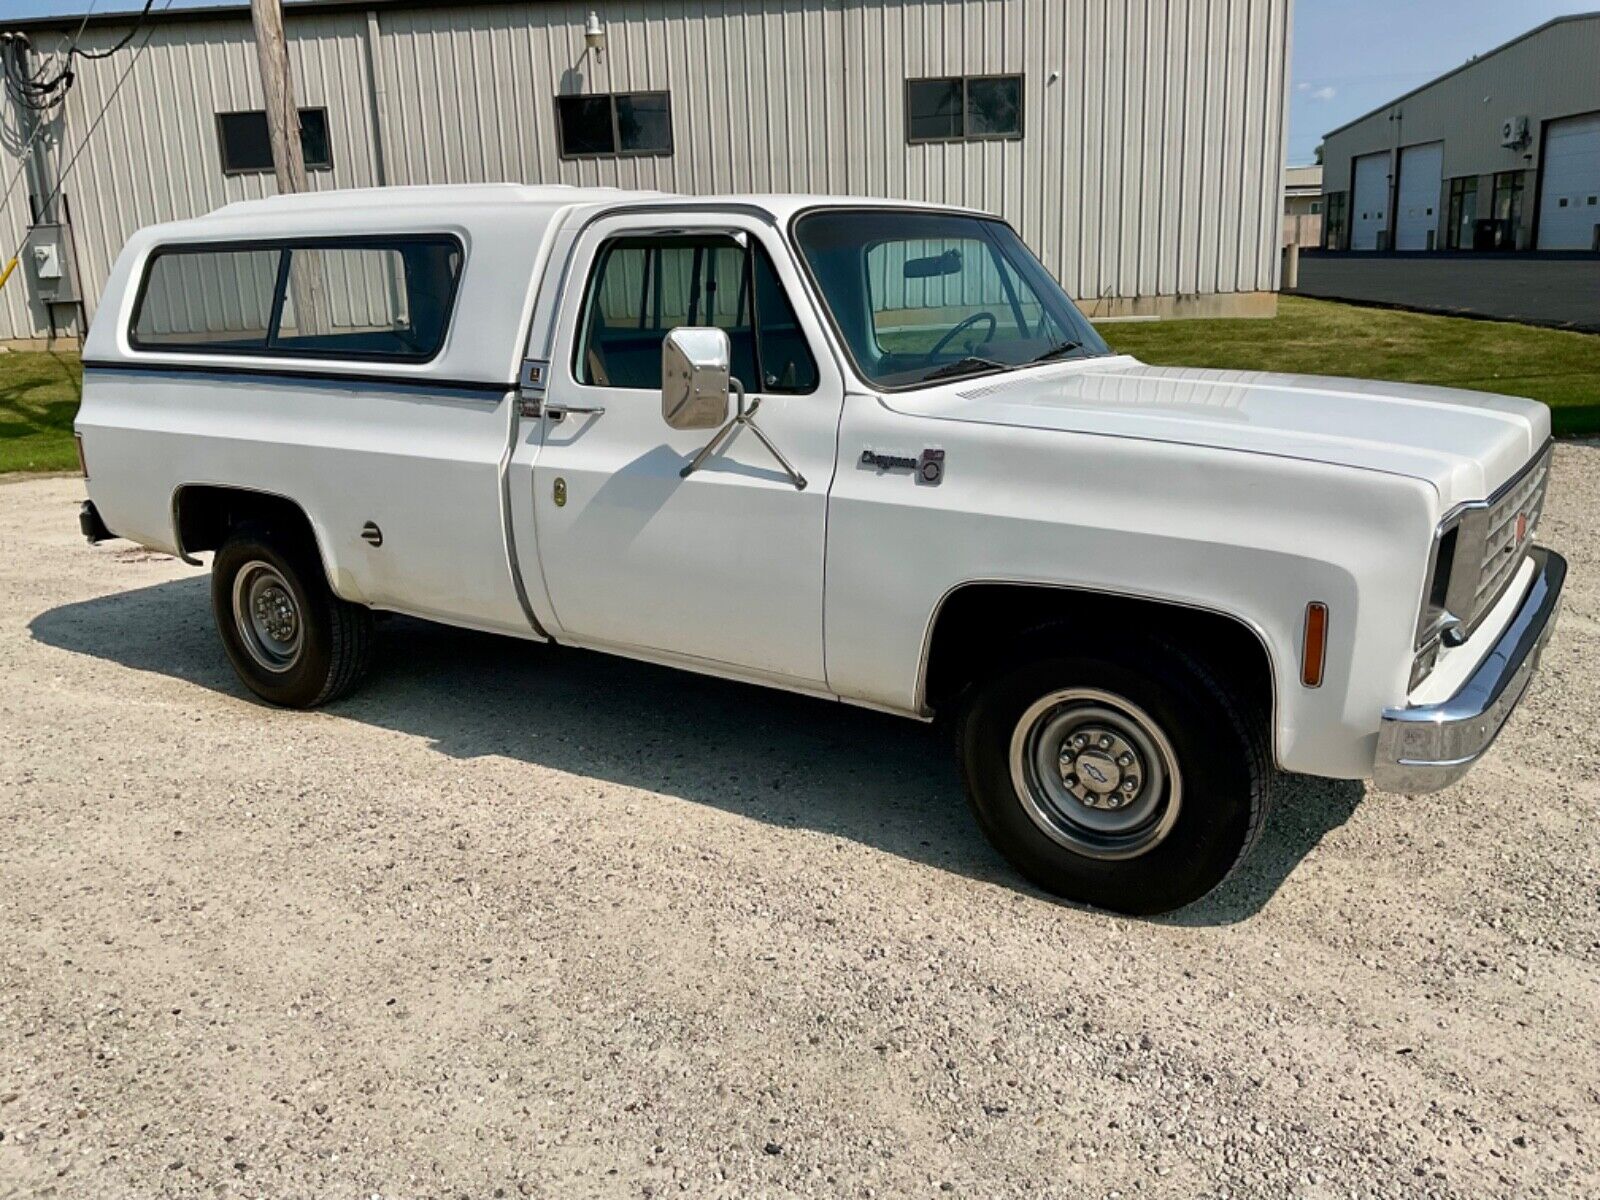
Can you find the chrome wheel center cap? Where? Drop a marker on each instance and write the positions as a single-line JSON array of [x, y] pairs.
[[1098, 772], [275, 611], [1101, 769]]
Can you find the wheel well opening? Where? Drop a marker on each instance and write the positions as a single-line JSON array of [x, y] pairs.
[[204, 515], [980, 623]]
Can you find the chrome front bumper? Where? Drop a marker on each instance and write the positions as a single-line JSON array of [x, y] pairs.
[[1423, 748]]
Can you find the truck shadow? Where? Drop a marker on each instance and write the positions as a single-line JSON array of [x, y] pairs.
[[771, 756]]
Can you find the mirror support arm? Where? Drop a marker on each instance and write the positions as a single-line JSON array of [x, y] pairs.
[[744, 415]]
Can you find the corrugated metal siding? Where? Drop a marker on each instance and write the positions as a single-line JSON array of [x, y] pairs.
[[155, 156], [1150, 164]]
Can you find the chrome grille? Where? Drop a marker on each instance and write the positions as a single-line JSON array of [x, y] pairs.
[[1486, 550], [1502, 554], [1476, 554]]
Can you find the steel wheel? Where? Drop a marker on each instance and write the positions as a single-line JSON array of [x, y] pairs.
[[1095, 773], [267, 616]]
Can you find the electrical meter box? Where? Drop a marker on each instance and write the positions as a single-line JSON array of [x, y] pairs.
[[48, 261]]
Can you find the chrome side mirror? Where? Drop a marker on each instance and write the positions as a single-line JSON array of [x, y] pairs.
[[696, 365]]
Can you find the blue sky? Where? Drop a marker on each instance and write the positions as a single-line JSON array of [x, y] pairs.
[[1350, 56]]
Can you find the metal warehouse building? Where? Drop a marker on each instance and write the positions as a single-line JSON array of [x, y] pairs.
[[1137, 145], [1502, 153]]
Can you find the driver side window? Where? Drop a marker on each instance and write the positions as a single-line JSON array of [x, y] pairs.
[[641, 288]]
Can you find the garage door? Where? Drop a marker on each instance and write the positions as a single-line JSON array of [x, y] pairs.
[[1569, 194], [1369, 201], [1417, 211]]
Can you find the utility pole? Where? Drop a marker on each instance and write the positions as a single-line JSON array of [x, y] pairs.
[[277, 90], [306, 290]]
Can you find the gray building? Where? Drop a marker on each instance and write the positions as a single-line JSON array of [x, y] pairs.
[[1502, 153], [1138, 145]]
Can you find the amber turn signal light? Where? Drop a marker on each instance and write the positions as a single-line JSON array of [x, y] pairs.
[[1314, 650], [83, 463]]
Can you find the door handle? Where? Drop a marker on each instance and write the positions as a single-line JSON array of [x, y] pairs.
[[557, 411]]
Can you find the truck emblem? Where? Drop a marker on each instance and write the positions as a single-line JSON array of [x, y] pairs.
[[928, 467]]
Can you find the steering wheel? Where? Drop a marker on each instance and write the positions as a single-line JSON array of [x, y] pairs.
[[967, 323]]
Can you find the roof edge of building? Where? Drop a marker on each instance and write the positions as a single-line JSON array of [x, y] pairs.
[[226, 10], [1471, 62]]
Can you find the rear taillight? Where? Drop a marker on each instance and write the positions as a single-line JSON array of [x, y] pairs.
[[83, 463]]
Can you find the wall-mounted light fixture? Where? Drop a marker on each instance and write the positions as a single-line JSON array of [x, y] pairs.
[[594, 34]]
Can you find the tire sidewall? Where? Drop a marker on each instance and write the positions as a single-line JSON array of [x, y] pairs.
[[1217, 813], [303, 683]]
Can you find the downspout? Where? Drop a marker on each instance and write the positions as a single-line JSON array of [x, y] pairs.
[[376, 99], [376, 102]]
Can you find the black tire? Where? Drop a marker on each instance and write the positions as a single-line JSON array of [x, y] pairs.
[[332, 640], [1218, 742]]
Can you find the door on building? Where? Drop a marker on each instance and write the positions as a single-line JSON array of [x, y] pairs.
[[610, 503], [1416, 222], [1333, 229], [1506, 223], [1369, 201], [1462, 216], [1569, 195]]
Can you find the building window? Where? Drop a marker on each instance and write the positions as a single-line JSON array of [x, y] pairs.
[[355, 299], [247, 148], [622, 123], [1463, 213], [1316, 207], [970, 108]]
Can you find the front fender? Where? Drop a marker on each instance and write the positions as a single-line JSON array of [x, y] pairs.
[[1251, 536]]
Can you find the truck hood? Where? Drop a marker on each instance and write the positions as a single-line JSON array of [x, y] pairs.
[[1464, 443]]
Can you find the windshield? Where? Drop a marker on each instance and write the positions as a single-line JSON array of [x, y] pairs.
[[924, 296]]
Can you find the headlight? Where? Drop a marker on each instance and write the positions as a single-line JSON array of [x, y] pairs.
[[1436, 620]]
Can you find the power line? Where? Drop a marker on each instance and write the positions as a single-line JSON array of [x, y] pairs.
[[83, 143], [93, 55], [38, 126], [41, 92]]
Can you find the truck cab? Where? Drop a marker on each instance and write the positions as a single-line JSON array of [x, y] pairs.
[[863, 450]]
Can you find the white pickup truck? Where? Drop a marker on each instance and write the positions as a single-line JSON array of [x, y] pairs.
[[863, 450]]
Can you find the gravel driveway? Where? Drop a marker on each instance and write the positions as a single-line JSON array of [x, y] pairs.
[[523, 921]]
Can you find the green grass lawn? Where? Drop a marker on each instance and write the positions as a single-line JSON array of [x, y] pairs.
[[1320, 337], [39, 395], [39, 391]]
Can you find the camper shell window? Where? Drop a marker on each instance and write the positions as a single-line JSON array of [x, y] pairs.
[[363, 299]]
